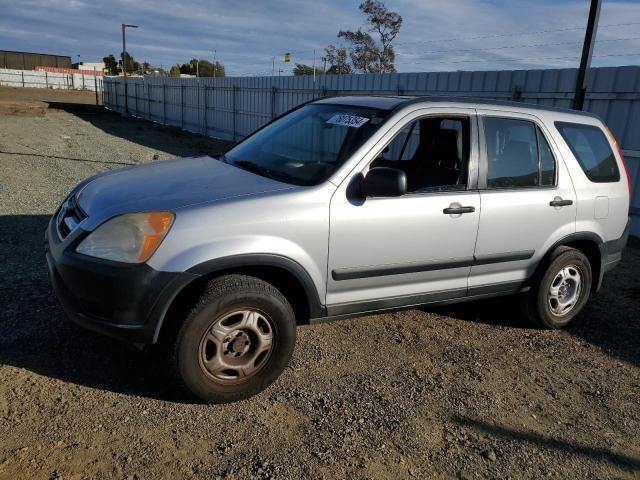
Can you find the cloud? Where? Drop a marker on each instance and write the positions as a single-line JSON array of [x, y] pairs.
[[436, 35]]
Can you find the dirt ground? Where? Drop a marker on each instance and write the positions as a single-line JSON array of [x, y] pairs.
[[459, 392]]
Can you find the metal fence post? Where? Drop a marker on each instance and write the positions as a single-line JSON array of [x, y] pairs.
[[83, 87], [95, 87], [198, 103], [274, 91], [22, 75], [164, 104], [135, 92], [233, 108], [206, 122], [148, 85], [46, 79], [181, 106]]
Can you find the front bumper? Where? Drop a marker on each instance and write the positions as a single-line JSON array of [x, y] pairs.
[[125, 301]]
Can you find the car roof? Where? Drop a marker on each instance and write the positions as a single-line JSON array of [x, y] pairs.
[[394, 102], [370, 101]]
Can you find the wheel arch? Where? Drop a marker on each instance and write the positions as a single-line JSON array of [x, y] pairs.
[[287, 275], [591, 245]]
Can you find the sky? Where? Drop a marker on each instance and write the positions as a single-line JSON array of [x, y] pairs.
[[436, 35]]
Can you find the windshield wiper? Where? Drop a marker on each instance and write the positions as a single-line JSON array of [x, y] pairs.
[[267, 172], [252, 167], [284, 177]]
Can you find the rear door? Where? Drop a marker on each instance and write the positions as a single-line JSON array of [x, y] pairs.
[[528, 200]]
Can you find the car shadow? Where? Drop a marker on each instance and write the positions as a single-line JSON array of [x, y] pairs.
[[35, 336], [548, 443], [500, 311], [168, 139], [609, 322]]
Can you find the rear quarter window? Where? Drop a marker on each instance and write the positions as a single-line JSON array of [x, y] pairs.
[[592, 150]]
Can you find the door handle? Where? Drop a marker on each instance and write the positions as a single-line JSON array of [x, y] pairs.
[[458, 210], [559, 202]]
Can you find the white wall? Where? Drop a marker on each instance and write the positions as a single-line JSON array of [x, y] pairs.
[[37, 79]]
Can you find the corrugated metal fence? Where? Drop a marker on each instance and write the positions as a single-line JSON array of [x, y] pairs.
[[38, 79], [232, 107]]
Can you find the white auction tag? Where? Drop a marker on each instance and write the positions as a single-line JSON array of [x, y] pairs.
[[347, 120]]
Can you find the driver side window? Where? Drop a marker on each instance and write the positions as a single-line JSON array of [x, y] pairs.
[[433, 152]]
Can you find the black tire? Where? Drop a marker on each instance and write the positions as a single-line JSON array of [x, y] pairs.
[[536, 303], [223, 296]]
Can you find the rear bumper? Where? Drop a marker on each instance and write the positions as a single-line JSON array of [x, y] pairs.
[[125, 301], [611, 253]]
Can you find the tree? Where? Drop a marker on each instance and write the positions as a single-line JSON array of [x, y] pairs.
[[132, 65], [302, 69], [336, 57], [175, 71], [203, 68], [111, 64], [366, 54]]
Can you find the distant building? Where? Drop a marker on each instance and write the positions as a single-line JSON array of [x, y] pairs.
[[99, 66], [30, 60]]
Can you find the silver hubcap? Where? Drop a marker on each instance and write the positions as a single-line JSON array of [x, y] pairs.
[[236, 346], [565, 291]]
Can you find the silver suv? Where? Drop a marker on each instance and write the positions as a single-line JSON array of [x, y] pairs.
[[341, 207]]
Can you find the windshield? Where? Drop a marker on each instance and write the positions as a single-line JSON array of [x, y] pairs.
[[306, 146]]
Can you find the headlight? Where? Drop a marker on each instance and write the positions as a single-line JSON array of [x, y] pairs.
[[130, 238]]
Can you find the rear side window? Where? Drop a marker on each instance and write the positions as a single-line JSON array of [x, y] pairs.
[[592, 150], [518, 155]]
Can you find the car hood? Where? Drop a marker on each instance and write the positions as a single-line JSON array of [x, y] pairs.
[[168, 186]]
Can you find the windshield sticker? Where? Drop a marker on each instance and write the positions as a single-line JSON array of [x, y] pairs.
[[347, 120]]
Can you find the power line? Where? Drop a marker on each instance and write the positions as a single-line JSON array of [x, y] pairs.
[[462, 50], [515, 34], [525, 60]]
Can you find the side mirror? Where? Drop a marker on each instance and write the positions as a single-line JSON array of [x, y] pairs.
[[384, 182]]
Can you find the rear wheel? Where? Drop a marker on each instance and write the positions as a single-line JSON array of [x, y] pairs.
[[561, 289], [236, 341]]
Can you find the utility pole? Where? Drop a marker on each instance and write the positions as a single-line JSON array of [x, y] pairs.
[[314, 65], [95, 83], [124, 66], [587, 53], [273, 67], [215, 52]]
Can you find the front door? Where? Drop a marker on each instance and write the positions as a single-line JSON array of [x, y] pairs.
[[416, 248]]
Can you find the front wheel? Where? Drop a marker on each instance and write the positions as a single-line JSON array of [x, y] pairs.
[[236, 341], [561, 289]]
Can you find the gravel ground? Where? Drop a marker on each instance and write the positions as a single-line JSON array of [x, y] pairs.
[[459, 392]]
